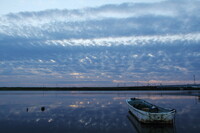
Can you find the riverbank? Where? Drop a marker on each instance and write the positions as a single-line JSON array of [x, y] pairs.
[[130, 88]]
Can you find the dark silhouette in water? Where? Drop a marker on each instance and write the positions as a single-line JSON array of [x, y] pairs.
[[26, 109], [42, 109]]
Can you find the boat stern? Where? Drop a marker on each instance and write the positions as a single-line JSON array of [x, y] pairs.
[[167, 118]]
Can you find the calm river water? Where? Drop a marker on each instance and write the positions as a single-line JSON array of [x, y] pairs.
[[89, 112]]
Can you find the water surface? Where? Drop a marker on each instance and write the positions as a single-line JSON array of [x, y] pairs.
[[98, 111]]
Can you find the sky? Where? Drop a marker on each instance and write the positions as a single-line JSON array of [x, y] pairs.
[[10, 6], [99, 43]]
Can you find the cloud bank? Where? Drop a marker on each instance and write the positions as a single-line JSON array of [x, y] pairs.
[[126, 19], [129, 43]]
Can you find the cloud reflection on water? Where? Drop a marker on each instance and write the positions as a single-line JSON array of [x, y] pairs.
[[88, 111]]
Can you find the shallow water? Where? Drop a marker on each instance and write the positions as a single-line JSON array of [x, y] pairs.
[[98, 111]]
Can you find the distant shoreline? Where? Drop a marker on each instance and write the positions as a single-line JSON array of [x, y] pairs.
[[129, 88]]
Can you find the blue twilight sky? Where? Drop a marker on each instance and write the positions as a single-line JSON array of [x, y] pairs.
[[99, 43], [8, 6]]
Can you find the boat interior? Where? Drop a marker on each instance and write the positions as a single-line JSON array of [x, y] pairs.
[[147, 107]]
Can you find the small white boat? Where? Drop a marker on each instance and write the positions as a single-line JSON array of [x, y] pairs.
[[148, 113]]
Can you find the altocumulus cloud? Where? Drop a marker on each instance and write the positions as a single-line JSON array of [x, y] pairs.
[[103, 46]]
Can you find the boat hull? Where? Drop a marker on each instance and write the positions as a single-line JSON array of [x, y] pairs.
[[148, 117], [150, 128]]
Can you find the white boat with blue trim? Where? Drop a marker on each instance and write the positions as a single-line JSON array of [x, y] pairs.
[[148, 113]]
